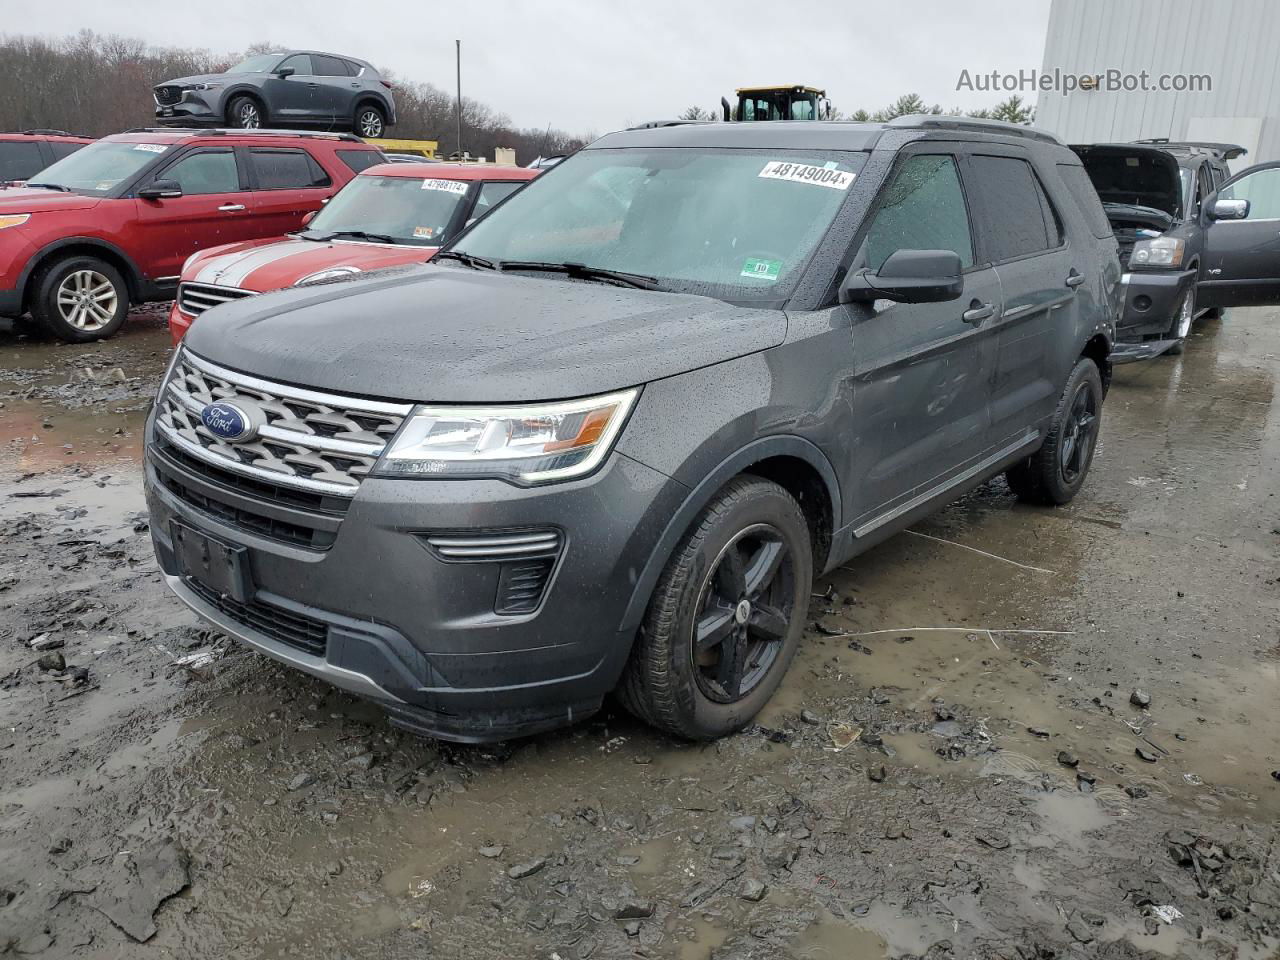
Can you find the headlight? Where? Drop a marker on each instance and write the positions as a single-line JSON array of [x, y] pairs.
[[13, 220], [535, 443], [206, 86], [324, 275], [1160, 252]]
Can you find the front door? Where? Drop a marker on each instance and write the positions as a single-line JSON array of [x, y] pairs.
[[1240, 265], [213, 209], [921, 370], [292, 97]]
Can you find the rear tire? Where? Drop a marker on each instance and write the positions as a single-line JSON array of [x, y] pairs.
[[80, 299], [1054, 474], [245, 113], [740, 582], [370, 122]]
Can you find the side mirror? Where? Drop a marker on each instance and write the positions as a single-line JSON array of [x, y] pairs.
[[284, 72], [1229, 210], [161, 190], [908, 276], [308, 217]]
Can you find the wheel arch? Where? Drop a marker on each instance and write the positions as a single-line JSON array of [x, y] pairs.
[[793, 463], [1098, 349], [372, 99], [82, 246], [253, 93]]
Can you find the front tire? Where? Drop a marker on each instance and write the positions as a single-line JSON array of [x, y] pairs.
[[370, 122], [1182, 321], [1054, 474], [245, 113], [726, 616], [80, 299]]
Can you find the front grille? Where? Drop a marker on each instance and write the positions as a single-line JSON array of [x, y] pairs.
[[305, 440], [272, 527], [294, 629], [167, 96], [195, 298]]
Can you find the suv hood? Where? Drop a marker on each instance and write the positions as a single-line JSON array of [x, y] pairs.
[[40, 200], [1134, 176], [198, 78], [452, 335]]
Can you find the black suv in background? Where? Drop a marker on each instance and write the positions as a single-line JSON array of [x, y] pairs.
[[608, 438], [1183, 255], [297, 88]]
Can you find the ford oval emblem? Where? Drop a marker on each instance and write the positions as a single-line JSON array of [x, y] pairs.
[[227, 422]]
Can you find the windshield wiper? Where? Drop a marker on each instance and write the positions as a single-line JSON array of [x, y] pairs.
[[51, 186], [475, 263], [580, 271], [357, 235]]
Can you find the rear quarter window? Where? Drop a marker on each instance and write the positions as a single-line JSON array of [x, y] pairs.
[[357, 160], [1086, 199]]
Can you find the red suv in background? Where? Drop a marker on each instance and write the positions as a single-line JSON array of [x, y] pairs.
[[390, 215], [112, 224], [23, 155]]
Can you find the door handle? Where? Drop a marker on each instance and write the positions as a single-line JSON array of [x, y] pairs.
[[1074, 279], [230, 207], [977, 312], [313, 85]]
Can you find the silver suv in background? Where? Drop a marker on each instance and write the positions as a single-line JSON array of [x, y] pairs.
[[293, 88]]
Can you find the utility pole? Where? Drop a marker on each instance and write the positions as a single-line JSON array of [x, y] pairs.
[[458, 47]]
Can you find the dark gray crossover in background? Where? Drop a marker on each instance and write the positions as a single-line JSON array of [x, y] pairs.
[[606, 440], [296, 88]]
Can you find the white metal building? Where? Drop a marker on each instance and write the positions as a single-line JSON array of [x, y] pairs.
[[1235, 42]]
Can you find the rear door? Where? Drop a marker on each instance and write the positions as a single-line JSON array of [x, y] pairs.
[[1021, 235], [1240, 265], [335, 94], [922, 370], [288, 183], [213, 209]]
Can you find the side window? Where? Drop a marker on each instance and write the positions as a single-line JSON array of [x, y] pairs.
[[300, 62], [1083, 193], [1261, 188], [63, 148], [286, 170], [922, 208], [329, 66], [19, 159], [205, 172], [354, 68], [357, 160], [1012, 207], [491, 194]]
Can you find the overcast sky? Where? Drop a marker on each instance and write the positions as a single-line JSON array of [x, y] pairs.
[[596, 65]]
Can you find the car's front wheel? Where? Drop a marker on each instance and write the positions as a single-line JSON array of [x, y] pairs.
[[81, 299], [244, 113], [1182, 322], [726, 616], [370, 122]]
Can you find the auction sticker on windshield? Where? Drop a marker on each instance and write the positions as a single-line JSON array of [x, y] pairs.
[[150, 147], [807, 173], [445, 186], [760, 269]]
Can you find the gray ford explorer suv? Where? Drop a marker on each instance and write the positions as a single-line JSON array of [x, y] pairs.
[[608, 437]]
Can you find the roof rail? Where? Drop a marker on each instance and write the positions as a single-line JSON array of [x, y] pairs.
[[976, 124], [1228, 151], [47, 133], [237, 132], [653, 124]]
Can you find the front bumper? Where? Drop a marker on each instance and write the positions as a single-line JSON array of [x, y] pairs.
[[1151, 301], [10, 303], [417, 633], [190, 110], [179, 324]]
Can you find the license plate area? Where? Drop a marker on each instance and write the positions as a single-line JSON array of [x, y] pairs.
[[222, 567]]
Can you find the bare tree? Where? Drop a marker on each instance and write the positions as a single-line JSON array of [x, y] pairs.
[[696, 113]]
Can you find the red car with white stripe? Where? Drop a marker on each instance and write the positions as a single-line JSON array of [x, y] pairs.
[[390, 215]]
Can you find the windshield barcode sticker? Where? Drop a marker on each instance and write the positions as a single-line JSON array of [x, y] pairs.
[[807, 173], [446, 186], [150, 147]]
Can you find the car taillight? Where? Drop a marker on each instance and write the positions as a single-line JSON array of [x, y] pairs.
[[386, 83]]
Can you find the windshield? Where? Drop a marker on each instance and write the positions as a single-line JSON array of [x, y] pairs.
[[738, 225], [407, 210], [262, 63], [100, 166]]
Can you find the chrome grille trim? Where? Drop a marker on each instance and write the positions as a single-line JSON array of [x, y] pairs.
[[288, 450], [497, 546], [195, 298]]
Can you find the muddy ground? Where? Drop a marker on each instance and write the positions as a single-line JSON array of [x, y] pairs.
[[957, 765]]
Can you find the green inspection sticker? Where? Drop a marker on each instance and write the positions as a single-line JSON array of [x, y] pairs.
[[761, 269]]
